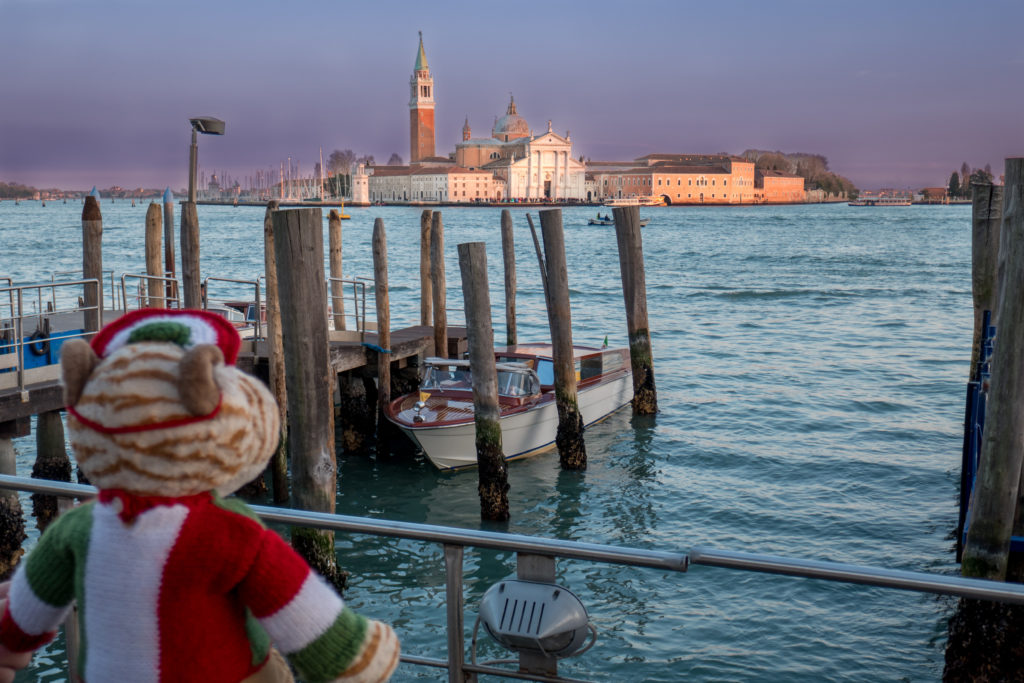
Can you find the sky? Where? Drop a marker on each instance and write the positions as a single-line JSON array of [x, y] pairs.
[[894, 94]]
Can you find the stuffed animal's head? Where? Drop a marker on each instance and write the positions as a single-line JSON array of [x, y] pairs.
[[156, 406]]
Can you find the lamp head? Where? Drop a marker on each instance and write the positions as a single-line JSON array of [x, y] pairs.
[[207, 125]]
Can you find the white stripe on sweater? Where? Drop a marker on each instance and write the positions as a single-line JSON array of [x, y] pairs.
[[31, 614], [123, 570], [306, 616]]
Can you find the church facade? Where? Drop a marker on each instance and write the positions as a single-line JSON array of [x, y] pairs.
[[511, 164]]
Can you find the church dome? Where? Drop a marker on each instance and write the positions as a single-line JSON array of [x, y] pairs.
[[511, 125]]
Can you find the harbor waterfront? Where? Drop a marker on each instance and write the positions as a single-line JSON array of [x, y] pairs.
[[810, 362]]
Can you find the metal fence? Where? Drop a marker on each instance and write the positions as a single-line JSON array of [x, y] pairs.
[[454, 541]]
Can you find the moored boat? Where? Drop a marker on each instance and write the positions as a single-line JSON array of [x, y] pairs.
[[611, 221], [881, 201], [439, 417]]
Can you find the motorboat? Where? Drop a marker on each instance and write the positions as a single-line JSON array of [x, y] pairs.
[[439, 417], [611, 221], [652, 200]]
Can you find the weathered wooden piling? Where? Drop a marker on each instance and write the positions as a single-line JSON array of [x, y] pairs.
[[380, 295], [92, 263], [438, 286], [337, 288], [190, 256], [994, 498], [572, 452], [299, 250], [986, 221], [634, 291], [12, 521], [169, 269], [508, 251], [426, 314], [492, 469], [51, 463], [275, 357], [154, 259]]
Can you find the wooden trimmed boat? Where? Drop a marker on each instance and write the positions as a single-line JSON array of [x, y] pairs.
[[439, 417]]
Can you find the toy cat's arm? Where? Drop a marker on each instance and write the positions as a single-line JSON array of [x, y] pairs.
[[309, 623], [10, 661]]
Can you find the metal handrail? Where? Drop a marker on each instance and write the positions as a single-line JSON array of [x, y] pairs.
[[454, 540], [14, 310], [977, 589], [105, 272], [358, 299], [256, 297], [167, 285]]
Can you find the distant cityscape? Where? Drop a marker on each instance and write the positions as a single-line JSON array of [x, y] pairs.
[[515, 165]]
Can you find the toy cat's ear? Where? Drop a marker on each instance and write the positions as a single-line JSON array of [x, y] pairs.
[[77, 361], [198, 391]]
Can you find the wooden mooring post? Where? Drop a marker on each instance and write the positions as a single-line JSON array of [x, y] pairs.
[[190, 256], [380, 296], [154, 257], [299, 251], [426, 297], [12, 520], [508, 252], [275, 357], [986, 221], [51, 463], [572, 452], [171, 290], [92, 263], [634, 291], [986, 639], [438, 286], [337, 287], [492, 469]]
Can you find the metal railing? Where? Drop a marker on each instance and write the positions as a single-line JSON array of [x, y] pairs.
[[454, 541], [53, 318], [105, 274], [151, 291], [257, 301], [358, 311]]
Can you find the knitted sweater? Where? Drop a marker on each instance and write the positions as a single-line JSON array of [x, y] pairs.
[[171, 587]]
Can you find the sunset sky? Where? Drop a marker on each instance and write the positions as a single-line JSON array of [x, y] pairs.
[[894, 94]]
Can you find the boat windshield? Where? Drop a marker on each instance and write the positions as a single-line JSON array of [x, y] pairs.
[[518, 383], [512, 382], [441, 377]]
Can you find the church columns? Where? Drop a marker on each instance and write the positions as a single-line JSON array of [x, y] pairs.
[[554, 179], [529, 175], [540, 175]]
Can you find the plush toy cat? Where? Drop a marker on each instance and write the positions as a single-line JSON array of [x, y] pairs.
[[172, 581]]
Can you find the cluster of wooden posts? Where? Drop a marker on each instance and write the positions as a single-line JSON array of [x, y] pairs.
[[987, 639], [300, 372]]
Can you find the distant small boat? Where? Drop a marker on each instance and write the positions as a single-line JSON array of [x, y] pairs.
[[636, 201], [881, 201], [610, 221]]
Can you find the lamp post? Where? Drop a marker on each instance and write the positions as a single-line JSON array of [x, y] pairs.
[[209, 126], [190, 218]]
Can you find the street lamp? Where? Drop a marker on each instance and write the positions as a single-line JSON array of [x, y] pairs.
[[209, 126]]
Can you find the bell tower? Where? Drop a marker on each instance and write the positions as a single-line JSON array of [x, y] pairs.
[[421, 109]]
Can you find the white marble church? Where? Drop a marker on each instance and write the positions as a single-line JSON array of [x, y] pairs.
[[511, 164]]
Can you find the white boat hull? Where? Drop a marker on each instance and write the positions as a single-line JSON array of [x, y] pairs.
[[522, 434]]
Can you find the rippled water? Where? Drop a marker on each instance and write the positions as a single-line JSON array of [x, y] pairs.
[[810, 364]]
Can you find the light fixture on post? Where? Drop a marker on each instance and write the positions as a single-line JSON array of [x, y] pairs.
[[544, 621], [208, 126]]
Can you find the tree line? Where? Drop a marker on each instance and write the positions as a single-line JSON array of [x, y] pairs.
[[960, 181], [16, 191], [344, 161], [813, 168]]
